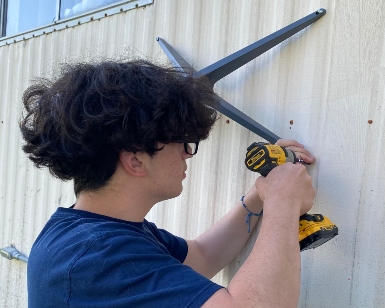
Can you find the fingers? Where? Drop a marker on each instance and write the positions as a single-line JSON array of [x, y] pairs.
[[298, 149], [289, 183], [303, 154], [287, 143]]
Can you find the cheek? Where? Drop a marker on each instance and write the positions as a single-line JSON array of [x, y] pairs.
[[176, 173], [175, 169]]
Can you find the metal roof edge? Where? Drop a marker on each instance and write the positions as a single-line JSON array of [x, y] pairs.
[[61, 24]]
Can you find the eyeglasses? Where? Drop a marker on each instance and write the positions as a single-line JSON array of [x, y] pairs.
[[191, 148]]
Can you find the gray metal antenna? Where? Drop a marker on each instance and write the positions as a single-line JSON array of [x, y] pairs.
[[222, 68]]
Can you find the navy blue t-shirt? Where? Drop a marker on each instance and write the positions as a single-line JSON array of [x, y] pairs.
[[81, 259]]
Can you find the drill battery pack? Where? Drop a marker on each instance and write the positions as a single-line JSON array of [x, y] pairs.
[[314, 230]]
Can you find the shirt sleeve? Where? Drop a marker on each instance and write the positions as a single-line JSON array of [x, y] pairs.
[[175, 245]]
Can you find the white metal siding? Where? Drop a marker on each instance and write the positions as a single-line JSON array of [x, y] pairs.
[[328, 79]]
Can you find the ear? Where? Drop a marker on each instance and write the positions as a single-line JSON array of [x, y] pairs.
[[132, 164]]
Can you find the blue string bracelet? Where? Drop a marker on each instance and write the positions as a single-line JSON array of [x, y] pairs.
[[250, 213]]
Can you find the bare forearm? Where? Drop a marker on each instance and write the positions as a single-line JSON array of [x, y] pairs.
[[221, 243], [270, 276], [272, 271]]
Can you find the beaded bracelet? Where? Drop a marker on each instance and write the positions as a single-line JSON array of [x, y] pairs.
[[250, 213]]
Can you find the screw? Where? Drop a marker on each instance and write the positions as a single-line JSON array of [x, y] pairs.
[[320, 11]]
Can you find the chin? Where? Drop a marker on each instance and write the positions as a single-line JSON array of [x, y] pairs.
[[175, 193]]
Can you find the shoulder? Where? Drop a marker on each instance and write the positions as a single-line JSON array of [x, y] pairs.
[[175, 245]]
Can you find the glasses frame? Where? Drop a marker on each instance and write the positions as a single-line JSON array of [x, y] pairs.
[[185, 143]]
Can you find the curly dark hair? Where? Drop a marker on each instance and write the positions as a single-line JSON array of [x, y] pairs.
[[77, 124]]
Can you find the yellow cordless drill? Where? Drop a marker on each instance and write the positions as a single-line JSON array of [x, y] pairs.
[[314, 229]]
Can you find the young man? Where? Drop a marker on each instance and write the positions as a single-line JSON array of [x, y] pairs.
[[123, 132]]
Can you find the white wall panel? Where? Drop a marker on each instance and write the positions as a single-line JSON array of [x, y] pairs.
[[328, 80]]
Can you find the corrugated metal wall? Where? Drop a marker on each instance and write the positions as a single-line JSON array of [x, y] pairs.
[[328, 81]]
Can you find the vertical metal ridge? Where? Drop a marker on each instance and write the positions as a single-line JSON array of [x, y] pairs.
[[283, 90]]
